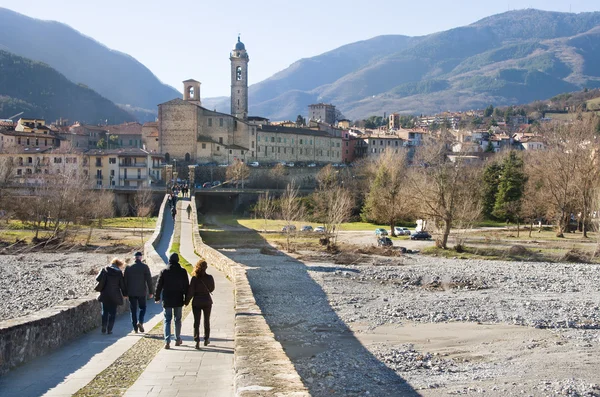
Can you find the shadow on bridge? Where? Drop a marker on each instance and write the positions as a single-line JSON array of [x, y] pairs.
[[300, 315]]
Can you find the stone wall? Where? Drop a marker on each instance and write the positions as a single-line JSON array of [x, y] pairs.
[[25, 338], [261, 366]]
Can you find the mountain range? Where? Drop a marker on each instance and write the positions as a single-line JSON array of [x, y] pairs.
[[81, 59], [511, 58], [38, 91]]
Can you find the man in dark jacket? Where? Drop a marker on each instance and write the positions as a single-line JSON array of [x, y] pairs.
[[137, 279], [172, 287]]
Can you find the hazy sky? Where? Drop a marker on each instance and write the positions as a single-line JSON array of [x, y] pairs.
[[182, 39]]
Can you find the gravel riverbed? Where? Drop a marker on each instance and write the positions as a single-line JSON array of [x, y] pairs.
[[428, 326], [37, 281]]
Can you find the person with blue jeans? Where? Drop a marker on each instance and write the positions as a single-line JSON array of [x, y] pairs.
[[172, 287], [138, 283], [112, 293]]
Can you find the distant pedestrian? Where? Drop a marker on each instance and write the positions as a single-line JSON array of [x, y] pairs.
[[172, 288], [112, 293], [189, 210], [138, 283], [170, 200], [174, 212], [201, 286]]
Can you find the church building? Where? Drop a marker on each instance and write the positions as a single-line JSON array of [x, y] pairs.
[[191, 133]]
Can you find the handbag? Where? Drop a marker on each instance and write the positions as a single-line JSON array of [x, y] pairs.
[[100, 284]]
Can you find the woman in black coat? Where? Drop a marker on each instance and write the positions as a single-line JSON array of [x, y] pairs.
[[112, 293], [201, 286]]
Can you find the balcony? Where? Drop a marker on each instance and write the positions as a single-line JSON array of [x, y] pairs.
[[133, 178], [133, 165]]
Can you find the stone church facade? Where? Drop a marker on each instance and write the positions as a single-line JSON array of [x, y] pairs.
[[191, 133]]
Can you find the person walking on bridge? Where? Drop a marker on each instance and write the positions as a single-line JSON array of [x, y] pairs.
[[189, 210], [172, 287], [201, 286], [112, 291], [174, 212], [138, 283]]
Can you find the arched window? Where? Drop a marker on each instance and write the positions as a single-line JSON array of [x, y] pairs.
[[187, 157], [167, 157], [191, 92], [238, 73]]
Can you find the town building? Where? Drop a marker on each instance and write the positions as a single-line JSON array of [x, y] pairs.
[[322, 112], [126, 167], [27, 133]]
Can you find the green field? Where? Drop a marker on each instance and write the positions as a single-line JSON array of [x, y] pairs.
[[276, 224], [593, 104]]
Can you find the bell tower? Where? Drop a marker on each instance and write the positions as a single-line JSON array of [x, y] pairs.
[[239, 80], [191, 91]]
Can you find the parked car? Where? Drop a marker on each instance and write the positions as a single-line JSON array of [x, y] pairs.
[[381, 232], [422, 235], [206, 185], [320, 229], [216, 183], [290, 228], [254, 164], [312, 165], [401, 231], [283, 163], [290, 164], [384, 242], [307, 228]]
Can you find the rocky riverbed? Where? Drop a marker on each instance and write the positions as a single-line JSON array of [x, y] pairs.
[[36, 281], [427, 326]]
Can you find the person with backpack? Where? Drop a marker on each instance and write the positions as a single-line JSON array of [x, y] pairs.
[[111, 285], [172, 287], [199, 292]]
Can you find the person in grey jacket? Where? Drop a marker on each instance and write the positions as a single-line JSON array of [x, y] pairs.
[[138, 283]]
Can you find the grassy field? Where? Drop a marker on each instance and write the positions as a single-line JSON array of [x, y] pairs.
[[274, 224], [593, 104], [130, 222], [128, 233], [568, 116]]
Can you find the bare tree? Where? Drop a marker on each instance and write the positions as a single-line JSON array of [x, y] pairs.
[[587, 170], [444, 189], [101, 207], [7, 171], [558, 169], [291, 211], [388, 199], [535, 199], [265, 208], [278, 172], [333, 203], [238, 171], [143, 206]]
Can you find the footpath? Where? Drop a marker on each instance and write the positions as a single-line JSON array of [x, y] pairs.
[[180, 371], [183, 370]]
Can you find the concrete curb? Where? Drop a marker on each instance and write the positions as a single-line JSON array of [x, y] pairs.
[[261, 366]]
